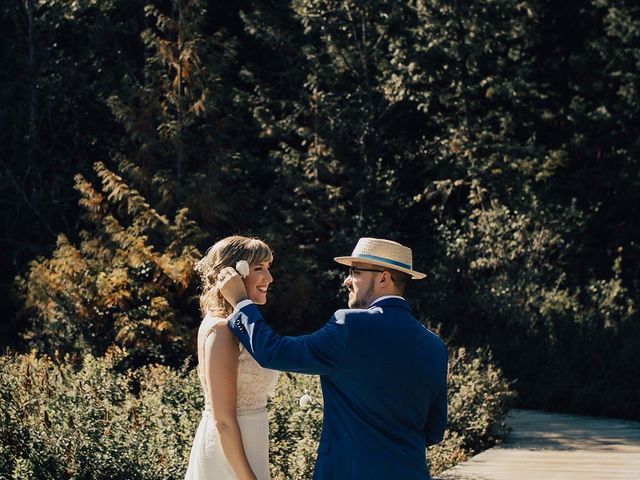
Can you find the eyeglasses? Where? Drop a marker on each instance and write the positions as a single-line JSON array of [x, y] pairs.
[[352, 270], [356, 269]]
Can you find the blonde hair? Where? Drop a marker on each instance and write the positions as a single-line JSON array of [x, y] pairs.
[[226, 253]]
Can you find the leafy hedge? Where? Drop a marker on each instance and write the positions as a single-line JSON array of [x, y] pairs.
[[90, 421]]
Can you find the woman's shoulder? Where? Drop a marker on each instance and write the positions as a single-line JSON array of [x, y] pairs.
[[213, 319], [214, 324], [210, 323]]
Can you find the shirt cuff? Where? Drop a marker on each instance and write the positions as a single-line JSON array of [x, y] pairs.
[[242, 304]]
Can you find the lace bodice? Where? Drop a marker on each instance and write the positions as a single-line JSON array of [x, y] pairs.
[[254, 382]]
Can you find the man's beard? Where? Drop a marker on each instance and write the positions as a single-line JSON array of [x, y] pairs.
[[365, 299]]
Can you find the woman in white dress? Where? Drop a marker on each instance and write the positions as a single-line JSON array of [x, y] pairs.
[[232, 440]]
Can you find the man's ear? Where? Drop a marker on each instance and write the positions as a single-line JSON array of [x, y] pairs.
[[385, 278]]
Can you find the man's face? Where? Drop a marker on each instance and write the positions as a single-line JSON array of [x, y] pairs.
[[362, 285]]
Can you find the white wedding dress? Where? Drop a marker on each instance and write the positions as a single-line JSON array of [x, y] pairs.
[[207, 459]]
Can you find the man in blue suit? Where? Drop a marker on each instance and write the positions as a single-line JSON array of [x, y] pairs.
[[383, 374]]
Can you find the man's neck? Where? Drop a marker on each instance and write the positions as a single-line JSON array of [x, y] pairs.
[[383, 297]]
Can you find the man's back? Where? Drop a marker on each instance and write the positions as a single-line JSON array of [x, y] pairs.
[[383, 377], [387, 395]]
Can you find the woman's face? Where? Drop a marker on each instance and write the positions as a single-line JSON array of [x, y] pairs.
[[258, 281]]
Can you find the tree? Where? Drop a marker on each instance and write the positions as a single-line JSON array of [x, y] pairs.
[[129, 282], [60, 61]]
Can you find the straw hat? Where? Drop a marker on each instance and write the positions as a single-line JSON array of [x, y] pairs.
[[384, 253]]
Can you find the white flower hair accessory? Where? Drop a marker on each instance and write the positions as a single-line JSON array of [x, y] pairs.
[[242, 267]]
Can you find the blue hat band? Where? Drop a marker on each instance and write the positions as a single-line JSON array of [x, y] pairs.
[[385, 260]]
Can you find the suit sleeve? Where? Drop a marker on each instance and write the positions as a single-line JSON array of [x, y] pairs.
[[436, 419], [437, 416], [318, 353]]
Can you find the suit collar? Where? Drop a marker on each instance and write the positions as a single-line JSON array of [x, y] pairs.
[[390, 301]]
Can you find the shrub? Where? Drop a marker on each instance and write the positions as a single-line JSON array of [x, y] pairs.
[[90, 421], [505, 281], [479, 398], [294, 431]]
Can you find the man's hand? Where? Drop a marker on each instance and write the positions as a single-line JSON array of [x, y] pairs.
[[231, 286]]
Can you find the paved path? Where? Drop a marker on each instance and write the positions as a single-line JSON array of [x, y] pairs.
[[552, 446]]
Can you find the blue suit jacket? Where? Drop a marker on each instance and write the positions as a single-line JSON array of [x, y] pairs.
[[384, 386]]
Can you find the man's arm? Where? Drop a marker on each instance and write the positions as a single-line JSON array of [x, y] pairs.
[[436, 419], [318, 353]]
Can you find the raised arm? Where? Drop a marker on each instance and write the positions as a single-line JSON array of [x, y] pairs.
[[221, 370], [317, 353]]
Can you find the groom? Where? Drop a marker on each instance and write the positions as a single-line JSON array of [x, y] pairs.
[[383, 374]]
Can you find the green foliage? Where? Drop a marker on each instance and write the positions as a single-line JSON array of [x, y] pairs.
[[294, 431], [126, 284], [498, 143], [511, 267], [92, 421], [479, 397], [63, 58]]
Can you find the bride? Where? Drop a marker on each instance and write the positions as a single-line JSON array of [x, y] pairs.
[[232, 440]]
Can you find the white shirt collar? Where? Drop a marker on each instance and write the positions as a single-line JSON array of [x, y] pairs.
[[384, 297], [242, 304]]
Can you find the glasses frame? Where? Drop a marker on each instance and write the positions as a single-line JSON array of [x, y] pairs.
[[357, 269]]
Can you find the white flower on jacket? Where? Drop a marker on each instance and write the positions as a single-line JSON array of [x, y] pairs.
[[305, 400]]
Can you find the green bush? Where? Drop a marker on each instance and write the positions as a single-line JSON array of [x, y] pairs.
[[90, 421], [479, 397], [294, 431], [504, 280]]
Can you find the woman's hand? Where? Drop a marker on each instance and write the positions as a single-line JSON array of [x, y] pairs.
[[231, 286]]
